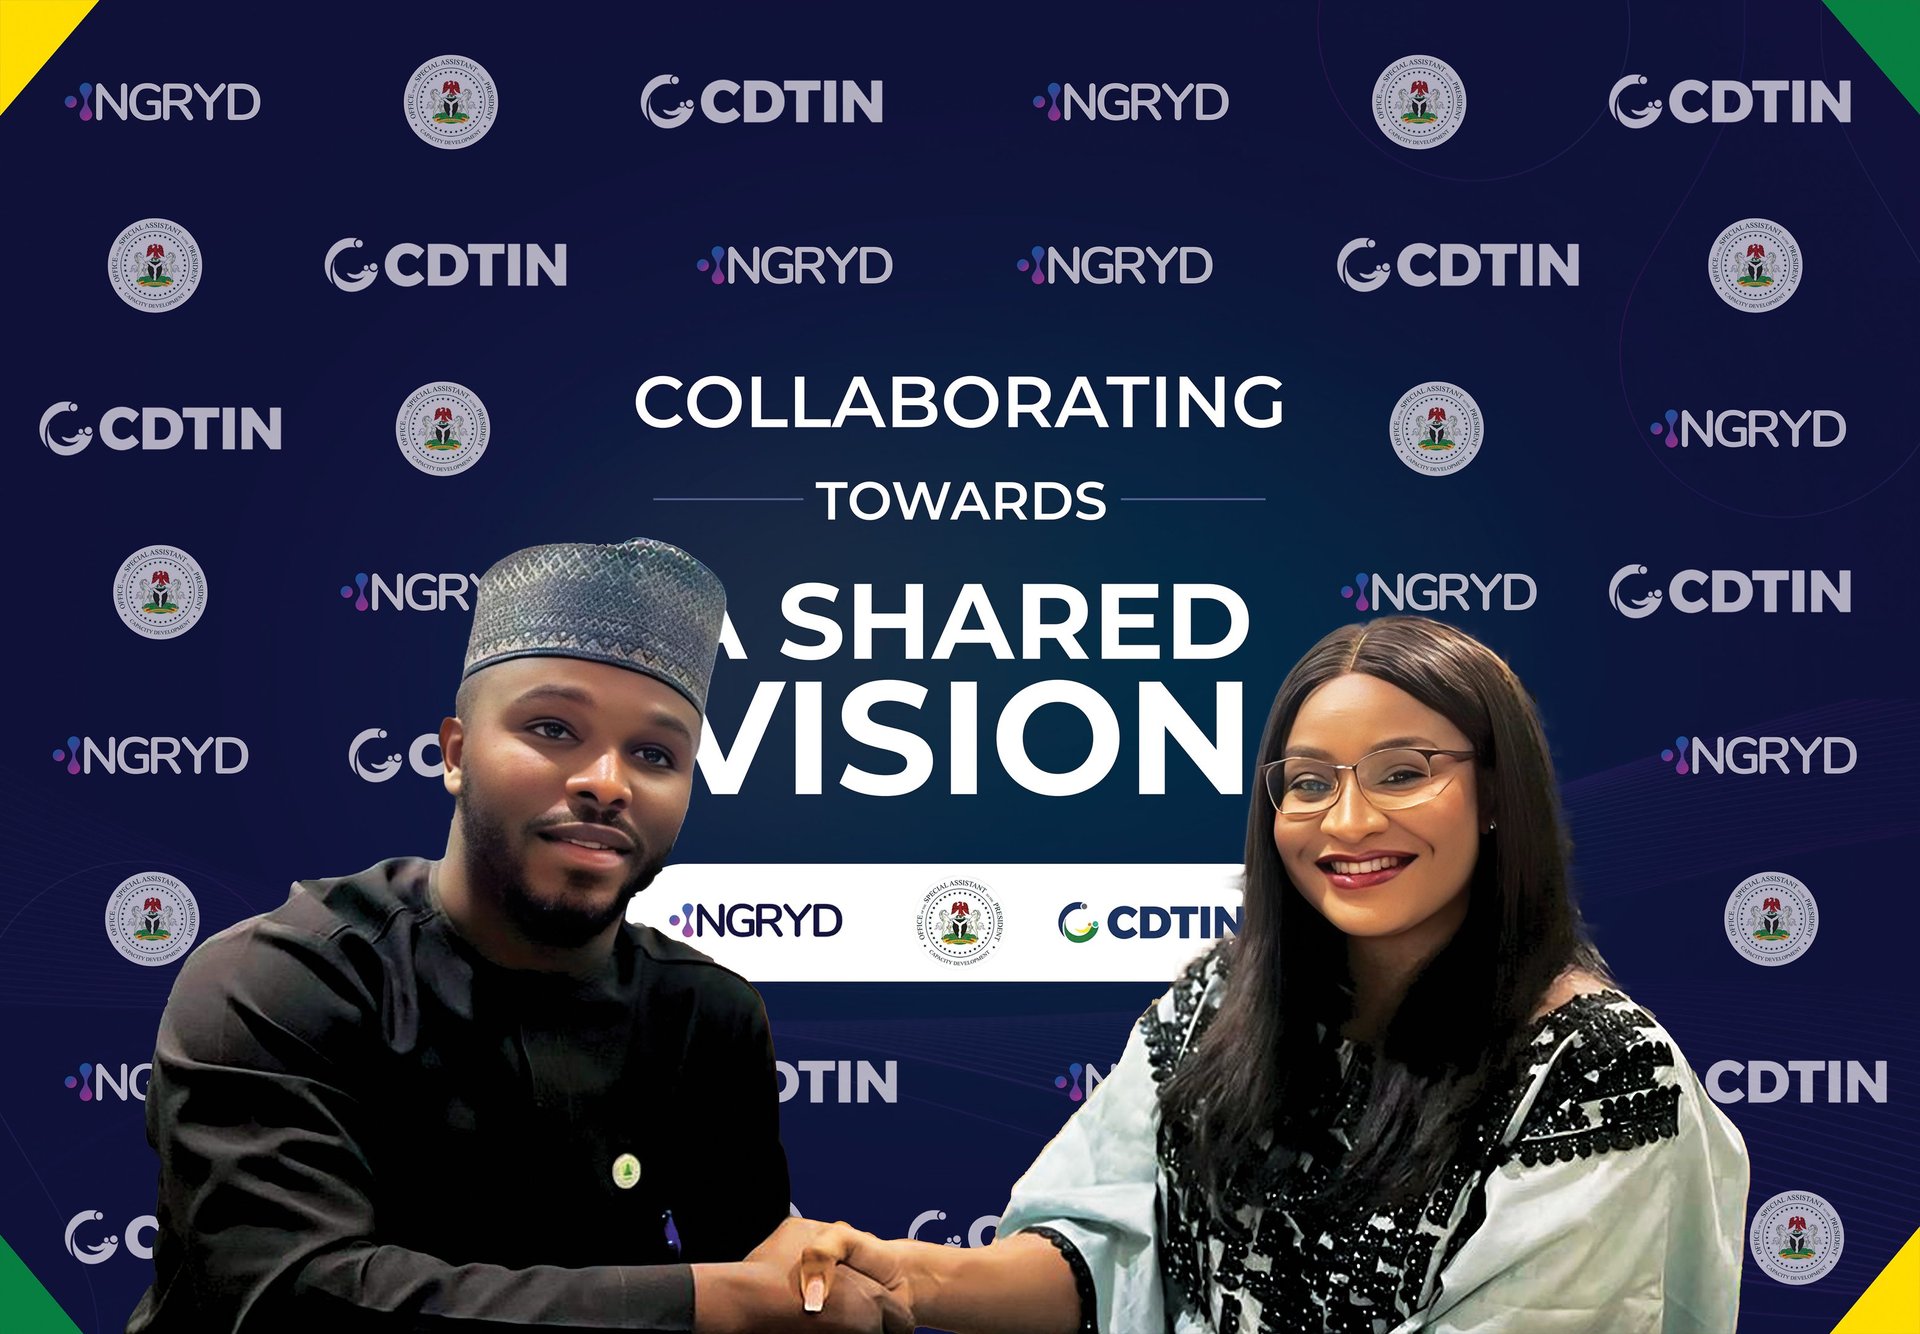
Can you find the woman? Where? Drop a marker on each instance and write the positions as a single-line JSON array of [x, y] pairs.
[[1407, 1097]]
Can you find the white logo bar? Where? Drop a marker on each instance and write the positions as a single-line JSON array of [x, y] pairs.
[[859, 922]]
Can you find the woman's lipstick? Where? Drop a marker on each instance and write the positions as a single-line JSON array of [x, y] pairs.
[[1373, 874]]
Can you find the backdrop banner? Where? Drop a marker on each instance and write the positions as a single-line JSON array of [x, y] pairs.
[[1041, 381]]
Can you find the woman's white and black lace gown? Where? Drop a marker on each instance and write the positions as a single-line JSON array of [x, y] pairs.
[[1604, 1193]]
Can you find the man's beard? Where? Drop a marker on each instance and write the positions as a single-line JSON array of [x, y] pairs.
[[497, 873]]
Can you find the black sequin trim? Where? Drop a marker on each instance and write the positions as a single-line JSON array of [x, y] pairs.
[[1167, 1040], [1082, 1277], [1603, 1094]]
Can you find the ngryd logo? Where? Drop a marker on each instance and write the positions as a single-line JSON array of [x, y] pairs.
[[94, 1082], [1441, 592], [1132, 101], [1081, 1079], [140, 755], [1749, 428], [1110, 265], [790, 265], [409, 592], [1693, 755], [165, 101], [758, 920]]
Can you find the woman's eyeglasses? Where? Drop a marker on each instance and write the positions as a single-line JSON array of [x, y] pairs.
[[1391, 779]]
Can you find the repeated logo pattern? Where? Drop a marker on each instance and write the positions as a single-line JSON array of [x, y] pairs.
[[1755, 265]]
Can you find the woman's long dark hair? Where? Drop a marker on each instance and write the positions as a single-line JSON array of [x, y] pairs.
[[1461, 1024]]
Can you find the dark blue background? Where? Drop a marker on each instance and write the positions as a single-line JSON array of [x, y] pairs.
[[961, 178]]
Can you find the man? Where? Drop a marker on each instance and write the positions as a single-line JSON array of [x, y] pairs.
[[465, 1094]]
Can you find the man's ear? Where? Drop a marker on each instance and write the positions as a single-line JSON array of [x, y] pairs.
[[453, 740]]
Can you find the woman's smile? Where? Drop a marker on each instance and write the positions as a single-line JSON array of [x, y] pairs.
[[1363, 871]]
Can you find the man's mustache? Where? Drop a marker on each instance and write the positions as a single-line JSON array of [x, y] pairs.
[[628, 832]]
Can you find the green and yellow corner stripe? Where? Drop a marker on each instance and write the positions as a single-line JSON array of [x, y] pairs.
[[1887, 30], [25, 1306], [30, 32], [1891, 1303]]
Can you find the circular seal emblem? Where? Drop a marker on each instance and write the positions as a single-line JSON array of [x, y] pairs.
[[152, 918], [160, 592], [154, 264], [626, 1171], [1436, 428], [451, 102], [1419, 101], [1771, 918], [442, 428], [1755, 265], [959, 922], [1796, 1237]]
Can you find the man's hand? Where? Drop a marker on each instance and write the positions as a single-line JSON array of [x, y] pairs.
[[830, 1254], [758, 1296], [784, 1244]]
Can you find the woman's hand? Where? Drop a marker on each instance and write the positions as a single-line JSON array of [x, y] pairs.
[[1018, 1285], [885, 1262]]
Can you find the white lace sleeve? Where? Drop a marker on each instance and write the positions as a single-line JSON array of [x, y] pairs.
[[1096, 1185]]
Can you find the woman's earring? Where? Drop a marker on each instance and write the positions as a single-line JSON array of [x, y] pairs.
[[1492, 825]]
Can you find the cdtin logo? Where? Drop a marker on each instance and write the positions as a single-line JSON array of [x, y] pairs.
[[839, 1081], [1727, 100], [162, 428], [1079, 935], [758, 101], [1460, 264], [975, 1235], [1771, 1081], [1183, 921], [102, 1251], [445, 264], [381, 770], [1726, 591]]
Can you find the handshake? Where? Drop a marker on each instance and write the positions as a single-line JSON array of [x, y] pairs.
[[818, 1277], [832, 1278]]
